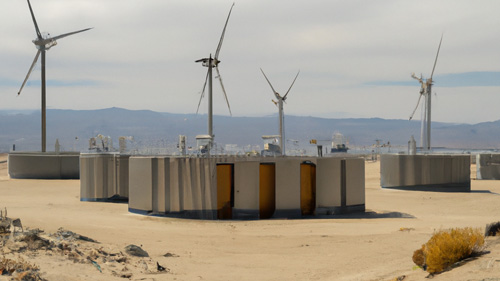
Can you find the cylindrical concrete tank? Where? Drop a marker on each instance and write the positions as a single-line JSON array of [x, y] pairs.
[[429, 172], [44, 165], [104, 177], [488, 166], [245, 188]]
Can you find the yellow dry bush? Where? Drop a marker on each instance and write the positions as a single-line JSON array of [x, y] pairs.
[[447, 247], [418, 257]]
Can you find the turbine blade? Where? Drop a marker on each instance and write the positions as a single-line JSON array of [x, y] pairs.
[[202, 92], [435, 61], [284, 97], [415, 77], [223, 90], [29, 71], [222, 36], [38, 34], [418, 103], [274, 91], [70, 33]]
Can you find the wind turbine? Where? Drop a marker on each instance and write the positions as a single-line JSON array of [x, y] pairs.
[[43, 44], [426, 91], [279, 103], [213, 63]]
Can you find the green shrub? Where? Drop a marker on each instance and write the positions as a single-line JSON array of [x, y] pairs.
[[447, 247]]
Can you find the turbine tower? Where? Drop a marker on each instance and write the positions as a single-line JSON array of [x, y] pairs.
[[43, 44], [279, 103], [426, 91], [213, 63]]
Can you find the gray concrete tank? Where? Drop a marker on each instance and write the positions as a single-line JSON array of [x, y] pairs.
[[104, 177], [44, 165]]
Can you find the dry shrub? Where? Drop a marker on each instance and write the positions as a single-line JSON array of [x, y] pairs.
[[447, 247], [492, 229], [418, 257], [25, 270]]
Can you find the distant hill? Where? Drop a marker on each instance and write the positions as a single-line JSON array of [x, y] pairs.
[[155, 129]]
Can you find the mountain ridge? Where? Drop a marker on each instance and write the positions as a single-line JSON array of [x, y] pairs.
[[150, 128]]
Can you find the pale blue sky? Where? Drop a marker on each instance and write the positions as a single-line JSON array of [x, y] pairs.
[[355, 57]]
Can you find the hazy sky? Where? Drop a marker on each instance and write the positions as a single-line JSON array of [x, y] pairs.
[[355, 57]]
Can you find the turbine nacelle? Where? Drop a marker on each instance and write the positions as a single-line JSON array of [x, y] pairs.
[[428, 81], [206, 62], [44, 44]]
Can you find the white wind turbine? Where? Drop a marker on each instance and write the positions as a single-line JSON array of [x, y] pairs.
[[43, 44], [213, 63], [279, 103], [426, 91]]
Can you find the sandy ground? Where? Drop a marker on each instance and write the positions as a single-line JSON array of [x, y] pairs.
[[369, 246]]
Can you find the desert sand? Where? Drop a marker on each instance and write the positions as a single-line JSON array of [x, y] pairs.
[[375, 245]]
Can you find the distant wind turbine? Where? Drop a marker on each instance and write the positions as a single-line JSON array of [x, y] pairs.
[[43, 43], [213, 63], [279, 104], [426, 91]]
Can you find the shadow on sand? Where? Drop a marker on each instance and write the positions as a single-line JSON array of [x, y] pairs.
[[484, 191], [368, 215]]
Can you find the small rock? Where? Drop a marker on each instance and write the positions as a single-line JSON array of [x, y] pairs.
[[121, 259], [137, 251], [160, 268]]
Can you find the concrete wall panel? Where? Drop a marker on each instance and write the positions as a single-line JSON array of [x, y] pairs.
[[209, 192], [328, 182], [164, 186], [246, 189], [176, 181], [425, 171], [95, 176], [121, 188], [160, 182], [355, 181], [288, 188], [140, 184], [70, 167]]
